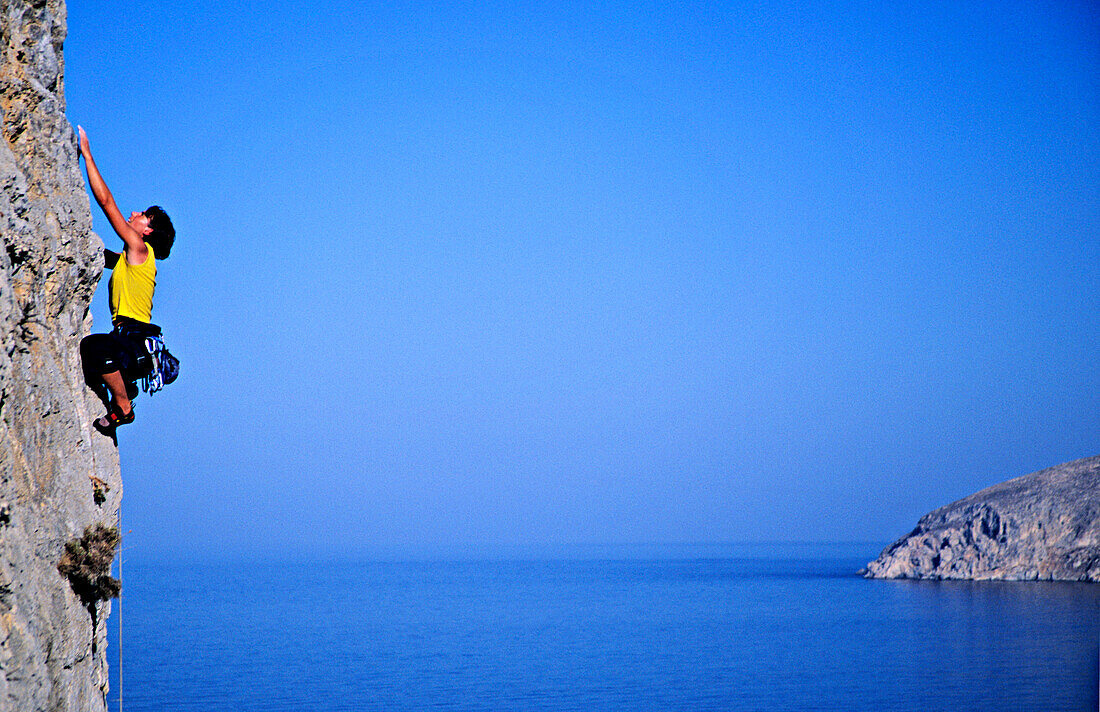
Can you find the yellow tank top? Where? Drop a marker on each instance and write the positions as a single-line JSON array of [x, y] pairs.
[[131, 288]]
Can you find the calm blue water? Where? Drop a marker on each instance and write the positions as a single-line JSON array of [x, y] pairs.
[[718, 628]]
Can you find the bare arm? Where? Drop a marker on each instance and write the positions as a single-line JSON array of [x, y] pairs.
[[136, 250]]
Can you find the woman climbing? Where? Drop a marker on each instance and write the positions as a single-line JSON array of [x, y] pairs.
[[113, 362]]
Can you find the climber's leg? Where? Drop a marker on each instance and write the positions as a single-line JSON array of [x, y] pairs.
[[104, 357], [93, 351], [117, 386]]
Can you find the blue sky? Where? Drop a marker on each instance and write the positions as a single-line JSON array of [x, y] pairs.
[[529, 274]]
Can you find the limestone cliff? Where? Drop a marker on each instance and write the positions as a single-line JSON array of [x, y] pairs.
[[1042, 526], [50, 657]]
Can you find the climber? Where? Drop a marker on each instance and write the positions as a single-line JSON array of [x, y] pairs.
[[113, 362]]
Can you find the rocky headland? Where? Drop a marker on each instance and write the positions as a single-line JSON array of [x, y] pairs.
[[1040, 527], [58, 477]]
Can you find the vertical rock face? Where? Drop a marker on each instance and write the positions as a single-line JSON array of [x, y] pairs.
[[51, 658], [1042, 526]]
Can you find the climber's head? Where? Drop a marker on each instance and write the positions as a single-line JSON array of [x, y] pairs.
[[161, 234]]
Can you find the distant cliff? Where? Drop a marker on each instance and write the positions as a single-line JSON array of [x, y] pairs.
[[50, 657], [1042, 526]]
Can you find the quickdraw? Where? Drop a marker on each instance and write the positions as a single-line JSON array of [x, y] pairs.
[[166, 367]]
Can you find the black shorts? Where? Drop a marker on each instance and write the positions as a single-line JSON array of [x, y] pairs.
[[116, 351]]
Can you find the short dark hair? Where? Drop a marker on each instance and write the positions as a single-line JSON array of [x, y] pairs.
[[163, 235]]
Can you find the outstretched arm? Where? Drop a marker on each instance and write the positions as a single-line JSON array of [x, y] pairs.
[[136, 250]]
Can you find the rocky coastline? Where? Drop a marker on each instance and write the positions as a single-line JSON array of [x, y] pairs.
[[1044, 526]]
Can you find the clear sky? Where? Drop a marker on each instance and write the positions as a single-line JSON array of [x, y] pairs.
[[481, 274]]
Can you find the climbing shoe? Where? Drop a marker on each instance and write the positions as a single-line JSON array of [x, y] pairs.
[[114, 418]]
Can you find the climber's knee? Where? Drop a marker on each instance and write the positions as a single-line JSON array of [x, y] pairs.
[[99, 354]]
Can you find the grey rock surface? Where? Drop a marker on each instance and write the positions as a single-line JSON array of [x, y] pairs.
[[51, 658], [1043, 526]]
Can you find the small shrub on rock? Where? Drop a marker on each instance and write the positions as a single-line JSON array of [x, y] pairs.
[[87, 564]]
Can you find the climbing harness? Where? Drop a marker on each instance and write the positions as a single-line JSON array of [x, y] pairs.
[[164, 367]]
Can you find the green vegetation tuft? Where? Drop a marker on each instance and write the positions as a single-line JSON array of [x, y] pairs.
[[87, 564]]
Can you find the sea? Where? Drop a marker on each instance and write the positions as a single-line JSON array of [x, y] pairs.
[[688, 627]]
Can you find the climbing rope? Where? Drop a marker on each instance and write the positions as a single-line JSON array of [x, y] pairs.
[[95, 468], [120, 551]]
